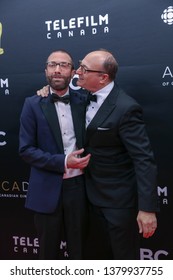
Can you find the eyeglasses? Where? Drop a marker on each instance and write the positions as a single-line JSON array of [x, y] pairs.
[[62, 65], [84, 69]]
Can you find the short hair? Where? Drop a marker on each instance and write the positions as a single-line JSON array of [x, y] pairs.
[[110, 64], [66, 52]]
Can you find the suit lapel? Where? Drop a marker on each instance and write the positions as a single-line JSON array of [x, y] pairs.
[[51, 115], [78, 116], [104, 111]]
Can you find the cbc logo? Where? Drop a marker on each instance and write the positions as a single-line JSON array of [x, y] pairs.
[[167, 15], [147, 254], [73, 83], [2, 142]]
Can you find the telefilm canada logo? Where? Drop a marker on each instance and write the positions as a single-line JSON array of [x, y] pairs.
[[167, 15], [79, 26], [25, 244], [30, 245]]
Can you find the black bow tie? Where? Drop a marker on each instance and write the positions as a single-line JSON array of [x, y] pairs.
[[65, 99], [91, 97]]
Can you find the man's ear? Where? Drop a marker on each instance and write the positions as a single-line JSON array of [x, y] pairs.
[[104, 79]]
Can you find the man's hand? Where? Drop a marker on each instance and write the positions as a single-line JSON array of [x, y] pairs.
[[147, 223], [44, 91], [75, 161]]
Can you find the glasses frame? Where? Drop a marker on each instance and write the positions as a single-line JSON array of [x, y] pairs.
[[84, 69], [62, 65]]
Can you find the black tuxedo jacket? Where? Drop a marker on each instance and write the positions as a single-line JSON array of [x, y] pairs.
[[41, 147], [122, 172]]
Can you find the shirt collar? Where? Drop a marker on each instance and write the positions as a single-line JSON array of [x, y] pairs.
[[103, 92], [67, 92]]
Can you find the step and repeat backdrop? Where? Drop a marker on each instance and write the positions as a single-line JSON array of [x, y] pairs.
[[140, 35]]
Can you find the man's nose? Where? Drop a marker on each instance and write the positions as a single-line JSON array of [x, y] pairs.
[[57, 67], [78, 70]]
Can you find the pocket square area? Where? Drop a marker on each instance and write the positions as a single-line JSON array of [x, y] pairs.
[[103, 128]]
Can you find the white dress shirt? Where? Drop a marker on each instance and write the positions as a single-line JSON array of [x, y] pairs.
[[68, 136], [94, 106]]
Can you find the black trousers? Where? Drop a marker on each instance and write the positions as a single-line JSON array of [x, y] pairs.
[[120, 231], [70, 218]]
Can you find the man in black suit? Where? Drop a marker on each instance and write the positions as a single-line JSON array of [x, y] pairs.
[[121, 174], [51, 142]]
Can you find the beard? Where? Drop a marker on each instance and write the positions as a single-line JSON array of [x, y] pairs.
[[58, 82]]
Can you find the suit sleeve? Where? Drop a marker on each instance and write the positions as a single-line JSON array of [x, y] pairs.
[[134, 136]]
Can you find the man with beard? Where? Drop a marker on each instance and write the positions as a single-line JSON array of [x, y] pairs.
[[51, 142], [121, 174]]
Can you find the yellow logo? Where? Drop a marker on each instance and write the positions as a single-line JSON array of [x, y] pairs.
[[1, 49]]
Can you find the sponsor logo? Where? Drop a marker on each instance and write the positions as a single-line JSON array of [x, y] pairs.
[[147, 254], [79, 26], [163, 194], [4, 84], [25, 245], [13, 189], [167, 15], [2, 139], [167, 77], [30, 245], [72, 84]]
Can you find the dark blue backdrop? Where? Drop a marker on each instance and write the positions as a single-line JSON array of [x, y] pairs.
[[140, 34]]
